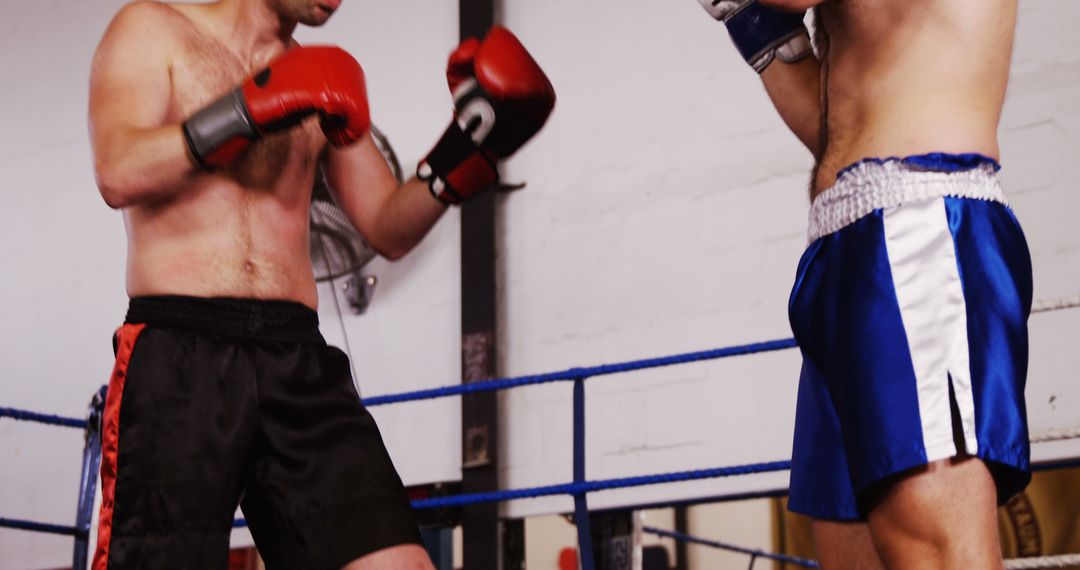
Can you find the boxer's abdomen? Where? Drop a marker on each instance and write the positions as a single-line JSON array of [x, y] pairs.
[[914, 77]]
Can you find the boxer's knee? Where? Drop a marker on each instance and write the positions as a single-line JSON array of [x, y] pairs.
[[401, 557]]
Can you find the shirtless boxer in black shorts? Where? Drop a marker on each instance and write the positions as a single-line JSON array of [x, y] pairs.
[[209, 123]]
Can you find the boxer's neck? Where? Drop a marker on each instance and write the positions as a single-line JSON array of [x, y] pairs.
[[255, 30]]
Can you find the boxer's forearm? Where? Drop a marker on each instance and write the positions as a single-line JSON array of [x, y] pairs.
[[138, 166], [775, 43], [406, 217], [392, 218], [795, 90]]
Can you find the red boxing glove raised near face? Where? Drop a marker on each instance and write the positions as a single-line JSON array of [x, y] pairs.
[[304, 81], [501, 99]]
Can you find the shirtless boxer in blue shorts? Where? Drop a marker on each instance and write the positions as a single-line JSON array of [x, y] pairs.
[[910, 304], [209, 123]]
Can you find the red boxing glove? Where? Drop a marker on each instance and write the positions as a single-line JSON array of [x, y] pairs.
[[302, 82], [501, 99]]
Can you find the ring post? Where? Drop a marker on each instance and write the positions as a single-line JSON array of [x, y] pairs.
[[91, 463], [581, 505]]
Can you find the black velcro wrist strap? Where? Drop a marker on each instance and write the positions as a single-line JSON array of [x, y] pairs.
[[457, 168], [218, 123], [452, 149]]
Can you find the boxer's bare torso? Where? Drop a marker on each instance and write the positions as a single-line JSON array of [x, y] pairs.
[[242, 232], [896, 78], [911, 77]]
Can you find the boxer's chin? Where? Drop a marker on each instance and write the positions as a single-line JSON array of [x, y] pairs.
[[317, 16], [307, 12]]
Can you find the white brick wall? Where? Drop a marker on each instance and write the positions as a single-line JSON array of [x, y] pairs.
[[673, 224], [666, 213]]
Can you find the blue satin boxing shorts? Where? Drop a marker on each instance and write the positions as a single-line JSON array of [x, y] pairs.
[[910, 307]]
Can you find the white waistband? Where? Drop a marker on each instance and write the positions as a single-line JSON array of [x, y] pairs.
[[874, 184]]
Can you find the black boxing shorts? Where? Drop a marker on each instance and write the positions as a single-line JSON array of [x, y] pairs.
[[220, 402]]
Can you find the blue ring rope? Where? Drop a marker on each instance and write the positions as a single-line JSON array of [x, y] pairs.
[[636, 481], [579, 373], [495, 384], [1055, 465], [48, 419], [573, 489], [40, 527], [563, 489], [805, 563], [584, 487], [598, 485]]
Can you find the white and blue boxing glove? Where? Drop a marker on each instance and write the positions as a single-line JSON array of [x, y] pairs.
[[761, 33]]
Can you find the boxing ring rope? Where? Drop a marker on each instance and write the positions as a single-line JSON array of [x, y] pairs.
[[38, 527], [575, 374], [47, 419], [578, 488], [1057, 561], [1047, 305], [753, 553], [1055, 435], [91, 464], [574, 489]]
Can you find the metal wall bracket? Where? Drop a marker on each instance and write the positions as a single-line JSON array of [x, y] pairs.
[[358, 290]]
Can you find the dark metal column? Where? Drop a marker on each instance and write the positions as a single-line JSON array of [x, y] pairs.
[[682, 525], [479, 412], [581, 504]]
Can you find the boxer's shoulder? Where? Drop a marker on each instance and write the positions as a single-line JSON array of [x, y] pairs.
[[145, 30], [158, 19]]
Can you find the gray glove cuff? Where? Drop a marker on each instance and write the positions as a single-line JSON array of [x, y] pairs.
[[216, 124], [791, 50]]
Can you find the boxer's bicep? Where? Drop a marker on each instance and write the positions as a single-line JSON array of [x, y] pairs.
[[137, 155], [795, 91], [130, 85]]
